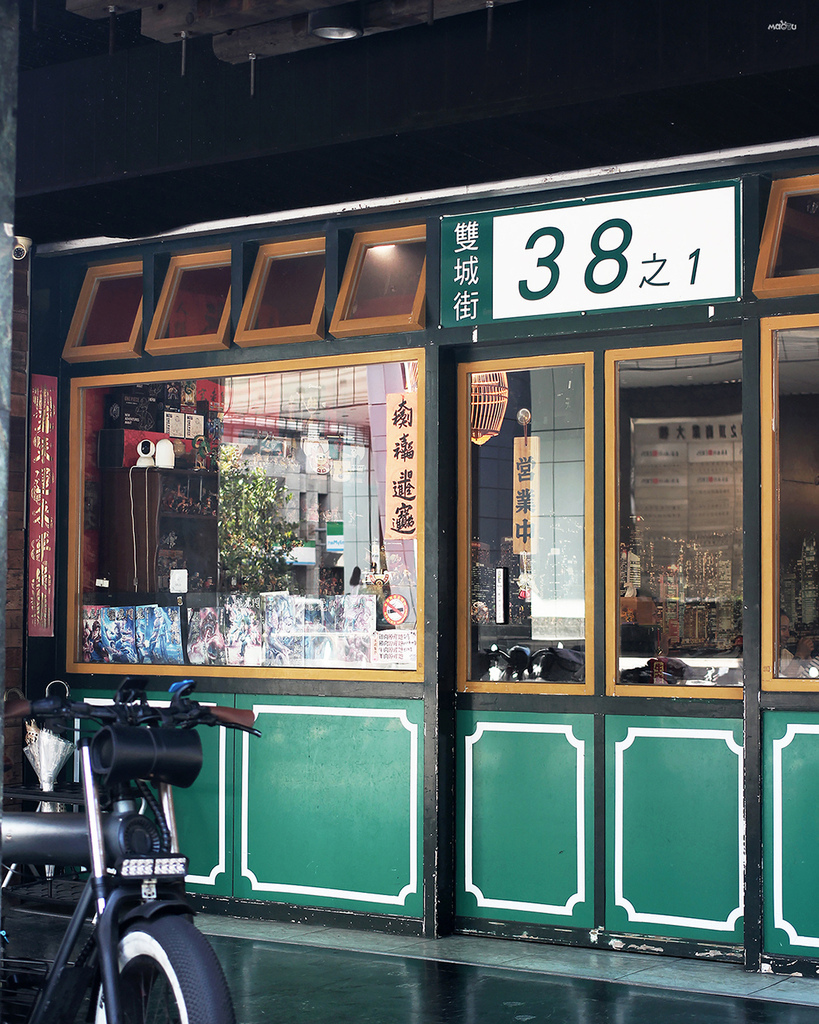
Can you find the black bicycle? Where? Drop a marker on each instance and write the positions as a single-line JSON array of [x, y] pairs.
[[144, 961]]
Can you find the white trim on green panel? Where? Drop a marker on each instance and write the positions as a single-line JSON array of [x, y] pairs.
[[791, 732], [221, 865], [469, 884], [310, 890], [727, 925]]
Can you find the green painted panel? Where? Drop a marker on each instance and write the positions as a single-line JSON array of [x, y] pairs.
[[674, 827], [525, 817], [204, 812], [790, 798], [331, 804]]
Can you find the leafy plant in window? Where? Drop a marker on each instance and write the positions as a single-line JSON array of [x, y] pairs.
[[254, 535]]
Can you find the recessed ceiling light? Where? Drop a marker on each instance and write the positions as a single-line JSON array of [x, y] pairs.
[[341, 22]]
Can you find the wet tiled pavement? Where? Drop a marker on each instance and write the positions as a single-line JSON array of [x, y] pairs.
[[287, 973]]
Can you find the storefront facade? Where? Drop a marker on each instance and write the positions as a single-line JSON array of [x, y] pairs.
[[498, 508]]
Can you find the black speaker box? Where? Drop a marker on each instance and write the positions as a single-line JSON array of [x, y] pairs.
[[111, 449]]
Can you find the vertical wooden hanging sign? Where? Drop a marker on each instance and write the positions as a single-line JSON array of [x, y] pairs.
[[402, 466], [526, 454], [41, 505]]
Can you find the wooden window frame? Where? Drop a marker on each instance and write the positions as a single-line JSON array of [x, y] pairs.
[[76, 515], [157, 345], [612, 403], [73, 351], [769, 493], [466, 685], [312, 330], [766, 285], [342, 325]]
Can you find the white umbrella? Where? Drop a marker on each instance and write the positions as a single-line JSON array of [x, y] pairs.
[[47, 753]]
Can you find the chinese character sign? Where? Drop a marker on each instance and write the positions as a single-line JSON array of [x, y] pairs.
[[525, 486], [466, 282], [402, 482], [656, 248], [41, 505]]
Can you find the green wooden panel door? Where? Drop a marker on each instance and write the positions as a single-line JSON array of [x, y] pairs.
[[331, 801], [790, 820], [204, 812], [675, 830], [525, 820]]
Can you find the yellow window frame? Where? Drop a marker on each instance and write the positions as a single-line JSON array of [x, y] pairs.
[[766, 285], [612, 401], [248, 336], [342, 325], [465, 685], [156, 342], [769, 493], [74, 350]]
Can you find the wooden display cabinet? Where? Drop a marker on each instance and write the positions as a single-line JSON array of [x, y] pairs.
[[155, 520]]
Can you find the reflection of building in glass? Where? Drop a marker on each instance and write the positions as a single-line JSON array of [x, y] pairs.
[[692, 580], [483, 583], [787, 595], [809, 581], [799, 585]]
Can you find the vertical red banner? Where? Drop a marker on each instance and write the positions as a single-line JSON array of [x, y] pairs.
[[41, 505]]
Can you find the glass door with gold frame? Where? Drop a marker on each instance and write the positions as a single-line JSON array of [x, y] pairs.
[[525, 525], [790, 503], [674, 520]]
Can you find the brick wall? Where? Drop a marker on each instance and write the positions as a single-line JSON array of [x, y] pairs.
[[17, 499]]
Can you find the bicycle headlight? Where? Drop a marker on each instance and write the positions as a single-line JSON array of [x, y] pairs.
[[171, 866]]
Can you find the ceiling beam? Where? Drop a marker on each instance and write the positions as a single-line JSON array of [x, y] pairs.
[[287, 35], [267, 28], [165, 22], [96, 9]]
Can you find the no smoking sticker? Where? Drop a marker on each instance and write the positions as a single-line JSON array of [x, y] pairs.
[[396, 609]]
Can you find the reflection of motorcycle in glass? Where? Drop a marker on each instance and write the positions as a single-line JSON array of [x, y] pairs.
[[519, 663]]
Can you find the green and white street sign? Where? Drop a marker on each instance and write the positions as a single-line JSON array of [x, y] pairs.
[[667, 247]]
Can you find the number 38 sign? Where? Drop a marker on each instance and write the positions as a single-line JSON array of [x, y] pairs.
[[659, 248]]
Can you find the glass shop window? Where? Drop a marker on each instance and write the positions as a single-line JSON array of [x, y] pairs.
[[788, 261], [675, 560], [268, 520], [791, 503], [526, 514], [285, 297], [193, 311], [384, 285], [107, 321]]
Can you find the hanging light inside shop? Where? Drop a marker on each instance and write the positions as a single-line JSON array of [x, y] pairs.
[[341, 22], [490, 393]]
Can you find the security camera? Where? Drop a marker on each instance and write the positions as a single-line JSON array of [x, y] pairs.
[[21, 248], [145, 450]]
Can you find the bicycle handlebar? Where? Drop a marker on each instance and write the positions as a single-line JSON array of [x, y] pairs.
[[135, 711]]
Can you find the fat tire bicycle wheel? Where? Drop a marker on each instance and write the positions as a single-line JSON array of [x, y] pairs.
[[170, 975]]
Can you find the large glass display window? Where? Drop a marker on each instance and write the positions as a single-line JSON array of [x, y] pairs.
[[790, 503], [674, 520], [525, 525], [268, 520]]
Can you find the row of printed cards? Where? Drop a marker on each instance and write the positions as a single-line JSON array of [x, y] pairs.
[[247, 629]]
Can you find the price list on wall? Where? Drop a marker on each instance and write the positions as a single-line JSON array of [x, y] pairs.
[[666, 247]]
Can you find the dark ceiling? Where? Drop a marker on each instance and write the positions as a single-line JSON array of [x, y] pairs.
[[122, 145]]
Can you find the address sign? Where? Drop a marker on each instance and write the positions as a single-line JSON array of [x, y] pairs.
[[661, 248]]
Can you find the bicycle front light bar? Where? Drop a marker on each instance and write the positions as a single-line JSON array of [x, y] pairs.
[[154, 867]]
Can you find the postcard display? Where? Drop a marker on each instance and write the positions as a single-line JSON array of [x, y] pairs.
[[155, 589]]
